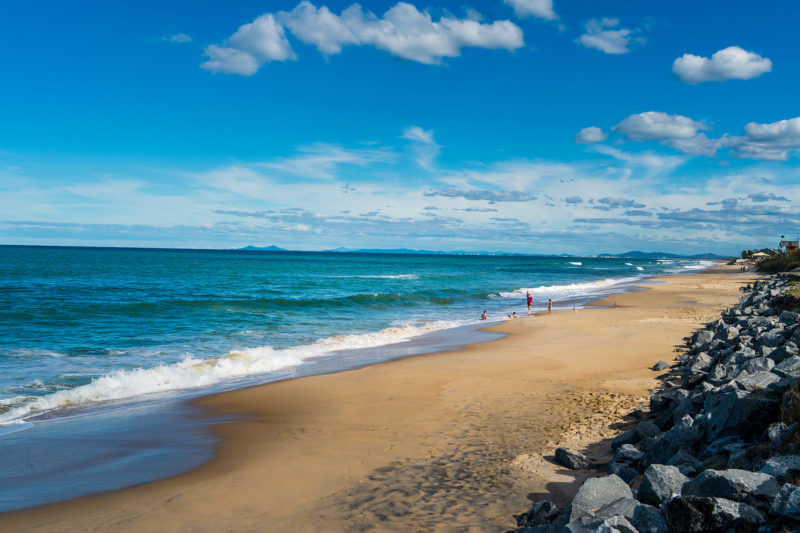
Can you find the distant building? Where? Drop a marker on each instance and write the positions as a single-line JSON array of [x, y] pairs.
[[789, 247]]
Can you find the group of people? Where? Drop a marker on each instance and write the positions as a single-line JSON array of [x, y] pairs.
[[529, 298]]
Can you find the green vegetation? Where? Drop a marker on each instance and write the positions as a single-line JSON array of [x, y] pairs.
[[779, 263]]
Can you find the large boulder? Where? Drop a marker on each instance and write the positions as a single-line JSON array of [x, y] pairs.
[[756, 381], [648, 519], [661, 483], [788, 367], [600, 491], [787, 502], [696, 514], [784, 467], [540, 513], [733, 484]]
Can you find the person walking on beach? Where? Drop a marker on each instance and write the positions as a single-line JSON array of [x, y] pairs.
[[550, 306], [530, 302]]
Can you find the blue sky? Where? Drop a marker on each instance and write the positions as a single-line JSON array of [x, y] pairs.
[[519, 125]]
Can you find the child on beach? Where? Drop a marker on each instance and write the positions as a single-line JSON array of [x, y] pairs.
[[530, 302], [483, 316]]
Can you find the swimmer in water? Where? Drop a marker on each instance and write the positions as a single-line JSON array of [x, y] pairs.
[[483, 316]]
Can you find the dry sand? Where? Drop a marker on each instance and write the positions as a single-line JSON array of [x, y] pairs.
[[455, 441]]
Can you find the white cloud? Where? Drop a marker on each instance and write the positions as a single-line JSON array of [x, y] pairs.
[[321, 161], [655, 125], [426, 147], [537, 8], [403, 31], [600, 34], [732, 63], [252, 45], [771, 142], [179, 38], [591, 135], [415, 133]]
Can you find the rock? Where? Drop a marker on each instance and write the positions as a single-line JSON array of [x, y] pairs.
[[784, 467], [788, 318], [648, 519], [788, 367], [571, 459], [702, 336], [601, 491], [787, 502], [772, 338], [625, 471], [660, 365], [736, 411], [609, 525], [540, 513], [694, 514], [779, 434], [623, 507], [757, 381], [738, 459], [685, 433], [628, 454], [646, 429], [733, 484], [687, 463], [661, 484], [629, 437], [759, 364]]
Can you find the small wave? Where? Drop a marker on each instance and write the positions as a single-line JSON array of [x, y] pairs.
[[382, 276], [192, 373], [576, 263], [639, 268], [629, 264], [573, 290]]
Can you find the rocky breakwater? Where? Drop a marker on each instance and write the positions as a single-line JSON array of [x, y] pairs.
[[719, 449]]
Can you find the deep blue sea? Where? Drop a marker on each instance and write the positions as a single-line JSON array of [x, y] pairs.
[[82, 328]]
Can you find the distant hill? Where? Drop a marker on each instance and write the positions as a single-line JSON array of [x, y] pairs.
[[660, 255], [272, 248]]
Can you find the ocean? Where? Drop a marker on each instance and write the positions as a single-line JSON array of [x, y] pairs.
[[88, 333]]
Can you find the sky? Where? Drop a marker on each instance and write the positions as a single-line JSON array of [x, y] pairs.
[[528, 126]]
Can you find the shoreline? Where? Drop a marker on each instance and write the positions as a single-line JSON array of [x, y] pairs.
[[360, 433]]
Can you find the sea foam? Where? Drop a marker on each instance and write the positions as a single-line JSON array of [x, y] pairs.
[[191, 373]]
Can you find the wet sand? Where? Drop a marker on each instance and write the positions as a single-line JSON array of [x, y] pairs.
[[454, 441]]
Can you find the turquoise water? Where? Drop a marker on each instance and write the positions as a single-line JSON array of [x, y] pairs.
[[81, 328]]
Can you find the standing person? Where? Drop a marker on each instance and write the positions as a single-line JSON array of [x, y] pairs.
[[550, 306], [530, 302]]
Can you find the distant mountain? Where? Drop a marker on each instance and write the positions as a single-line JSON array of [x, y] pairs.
[[660, 255], [272, 248]]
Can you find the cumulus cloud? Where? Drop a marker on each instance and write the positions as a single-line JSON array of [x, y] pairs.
[[591, 135], [771, 142], [492, 196], [403, 31], [732, 63], [253, 44], [603, 34], [536, 8], [655, 125]]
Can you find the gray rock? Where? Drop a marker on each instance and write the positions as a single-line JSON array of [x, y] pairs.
[[625, 471], [601, 491], [789, 317], [661, 484], [660, 365], [623, 507], [687, 463], [685, 433], [772, 338], [757, 381], [779, 434], [736, 411], [608, 525], [646, 429], [702, 336], [629, 437], [540, 513], [784, 467], [648, 519], [628, 454], [788, 367], [787, 502], [695, 514], [758, 364], [571, 459], [733, 484], [738, 459], [784, 352]]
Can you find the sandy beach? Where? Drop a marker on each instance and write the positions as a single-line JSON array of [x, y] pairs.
[[453, 441]]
